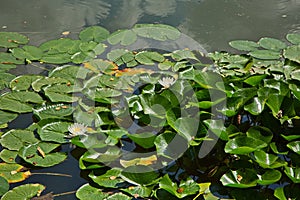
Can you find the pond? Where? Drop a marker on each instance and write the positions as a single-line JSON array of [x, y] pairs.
[[211, 23]]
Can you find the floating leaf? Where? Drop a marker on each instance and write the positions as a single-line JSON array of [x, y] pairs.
[[180, 55], [47, 81], [5, 78], [15, 139], [159, 32], [124, 37], [61, 58], [244, 145], [55, 111], [65, 46], [6, 117], [145, 161], [293, 173], [8, 58], [265, 54], [110, 179], [31, 154], [4, 186], [271, 44], [257, 106], [292, 53], [24, 192], [266, 160], [87, 192], [54, 132], [243, 178], [19, 101], [294, 146], [94, 33], [6, 67], [23, 82], [139, 191], [13, 173], [185, 188], [69, 72], [12, 39], [260, 133], [27, 53], [145, 140], [8, 156], [269, 177], [140, 175], [149, 58], [255, 80], [293, 38], [118, 196], [244, 45]]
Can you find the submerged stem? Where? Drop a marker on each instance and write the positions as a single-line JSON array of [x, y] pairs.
[[64, 193], [51, 174]]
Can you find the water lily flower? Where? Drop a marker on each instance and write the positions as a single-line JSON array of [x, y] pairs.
[[77, 129], [166, 82]]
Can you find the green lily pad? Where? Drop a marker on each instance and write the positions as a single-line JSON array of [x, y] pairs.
[[8, 156], [265, 54], [255, 80], [4, 186], [12, 39], [27, 53], [38, 154], [13, 173], [139, 191], [6, 67], [293, 173], [19, 101], [23, 82], [269, 177], [54, 132], [6, 117], [185, 188], [160, 32], [257, 106], [271, 44], [118, 196], [140, 175], [87, 192], [61, 58], [110, 179], [260, 133], [38, 84], [65, 46], [124, 37], [243, 178], [294, 146], [180, 55], [8, 58], [149, 58], [145, 140], [15, 139], [24, 192], [292, 53], [69, 72], [293, 38], [218, 128], [266, 160], [94, 33], [55, 111], [244, 145], [244, 45], [5, 78]]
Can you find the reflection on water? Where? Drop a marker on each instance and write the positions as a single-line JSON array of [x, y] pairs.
[[210, 22]]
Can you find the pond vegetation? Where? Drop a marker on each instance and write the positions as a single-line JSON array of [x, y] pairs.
[[143, 118]]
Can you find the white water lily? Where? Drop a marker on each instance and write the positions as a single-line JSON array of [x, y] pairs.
[[77, 129], [166, 82]]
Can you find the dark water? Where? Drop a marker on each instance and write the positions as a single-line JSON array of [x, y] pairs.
[[212, 23]]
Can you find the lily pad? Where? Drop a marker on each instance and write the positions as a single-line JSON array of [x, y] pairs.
[[244, 45], [13, 173], [294, 146], [140, 175], [266, 160], [110, 179], [240, 179], [54, 111], [293, 38], [244, 145], [4, 186], [54, 132], [19, 101], [124, 37], [185, 188], [94, 33], [12, 39], [24, 192], [265, 54], [23, 82], [293, 173], [160, 32], [149, 58], [38, 154], [8, 156], [269, 177], [8, 58], [15, 139], [292, 53], [87, 192], [27, 53], [145, 140], [6, 117], [271, 44]]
